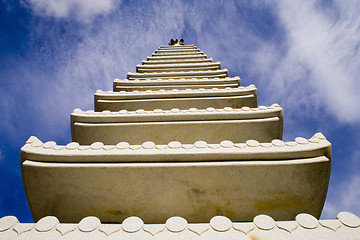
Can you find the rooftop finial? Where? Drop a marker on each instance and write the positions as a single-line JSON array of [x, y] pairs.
[[176, 42]]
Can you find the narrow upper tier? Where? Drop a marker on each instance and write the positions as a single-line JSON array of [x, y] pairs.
[[181, 67], [175, 98], [182, 83], [180, 74], [172, 53], [179, 56], [176, 50], [178, 62]]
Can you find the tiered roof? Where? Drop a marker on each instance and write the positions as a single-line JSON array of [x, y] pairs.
[[178, 137]]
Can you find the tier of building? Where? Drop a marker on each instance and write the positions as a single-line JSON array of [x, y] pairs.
[[178, 137]]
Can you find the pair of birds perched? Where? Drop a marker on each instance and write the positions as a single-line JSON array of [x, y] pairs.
[[176, 41]]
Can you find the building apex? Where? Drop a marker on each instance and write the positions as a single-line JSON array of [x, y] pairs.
[[176, 42]]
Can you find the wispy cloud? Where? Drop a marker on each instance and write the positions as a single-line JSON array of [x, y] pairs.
[[323, 53], [81, 10]]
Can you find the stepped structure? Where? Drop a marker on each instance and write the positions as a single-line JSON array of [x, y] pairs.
[[178, 137]]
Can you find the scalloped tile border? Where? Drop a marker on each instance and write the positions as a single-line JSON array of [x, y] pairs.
[[116, 80], [209, 110], [172, 91], [317, 138], [346, 224]]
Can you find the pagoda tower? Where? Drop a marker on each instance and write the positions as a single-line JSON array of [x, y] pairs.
[[178, 137]]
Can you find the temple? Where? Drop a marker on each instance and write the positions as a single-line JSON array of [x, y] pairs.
[[179, 141]]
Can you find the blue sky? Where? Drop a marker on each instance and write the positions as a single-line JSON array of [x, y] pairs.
[[303, 55]]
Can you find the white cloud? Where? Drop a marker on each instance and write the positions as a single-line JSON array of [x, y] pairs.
[[323, 50], [82, 10]]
